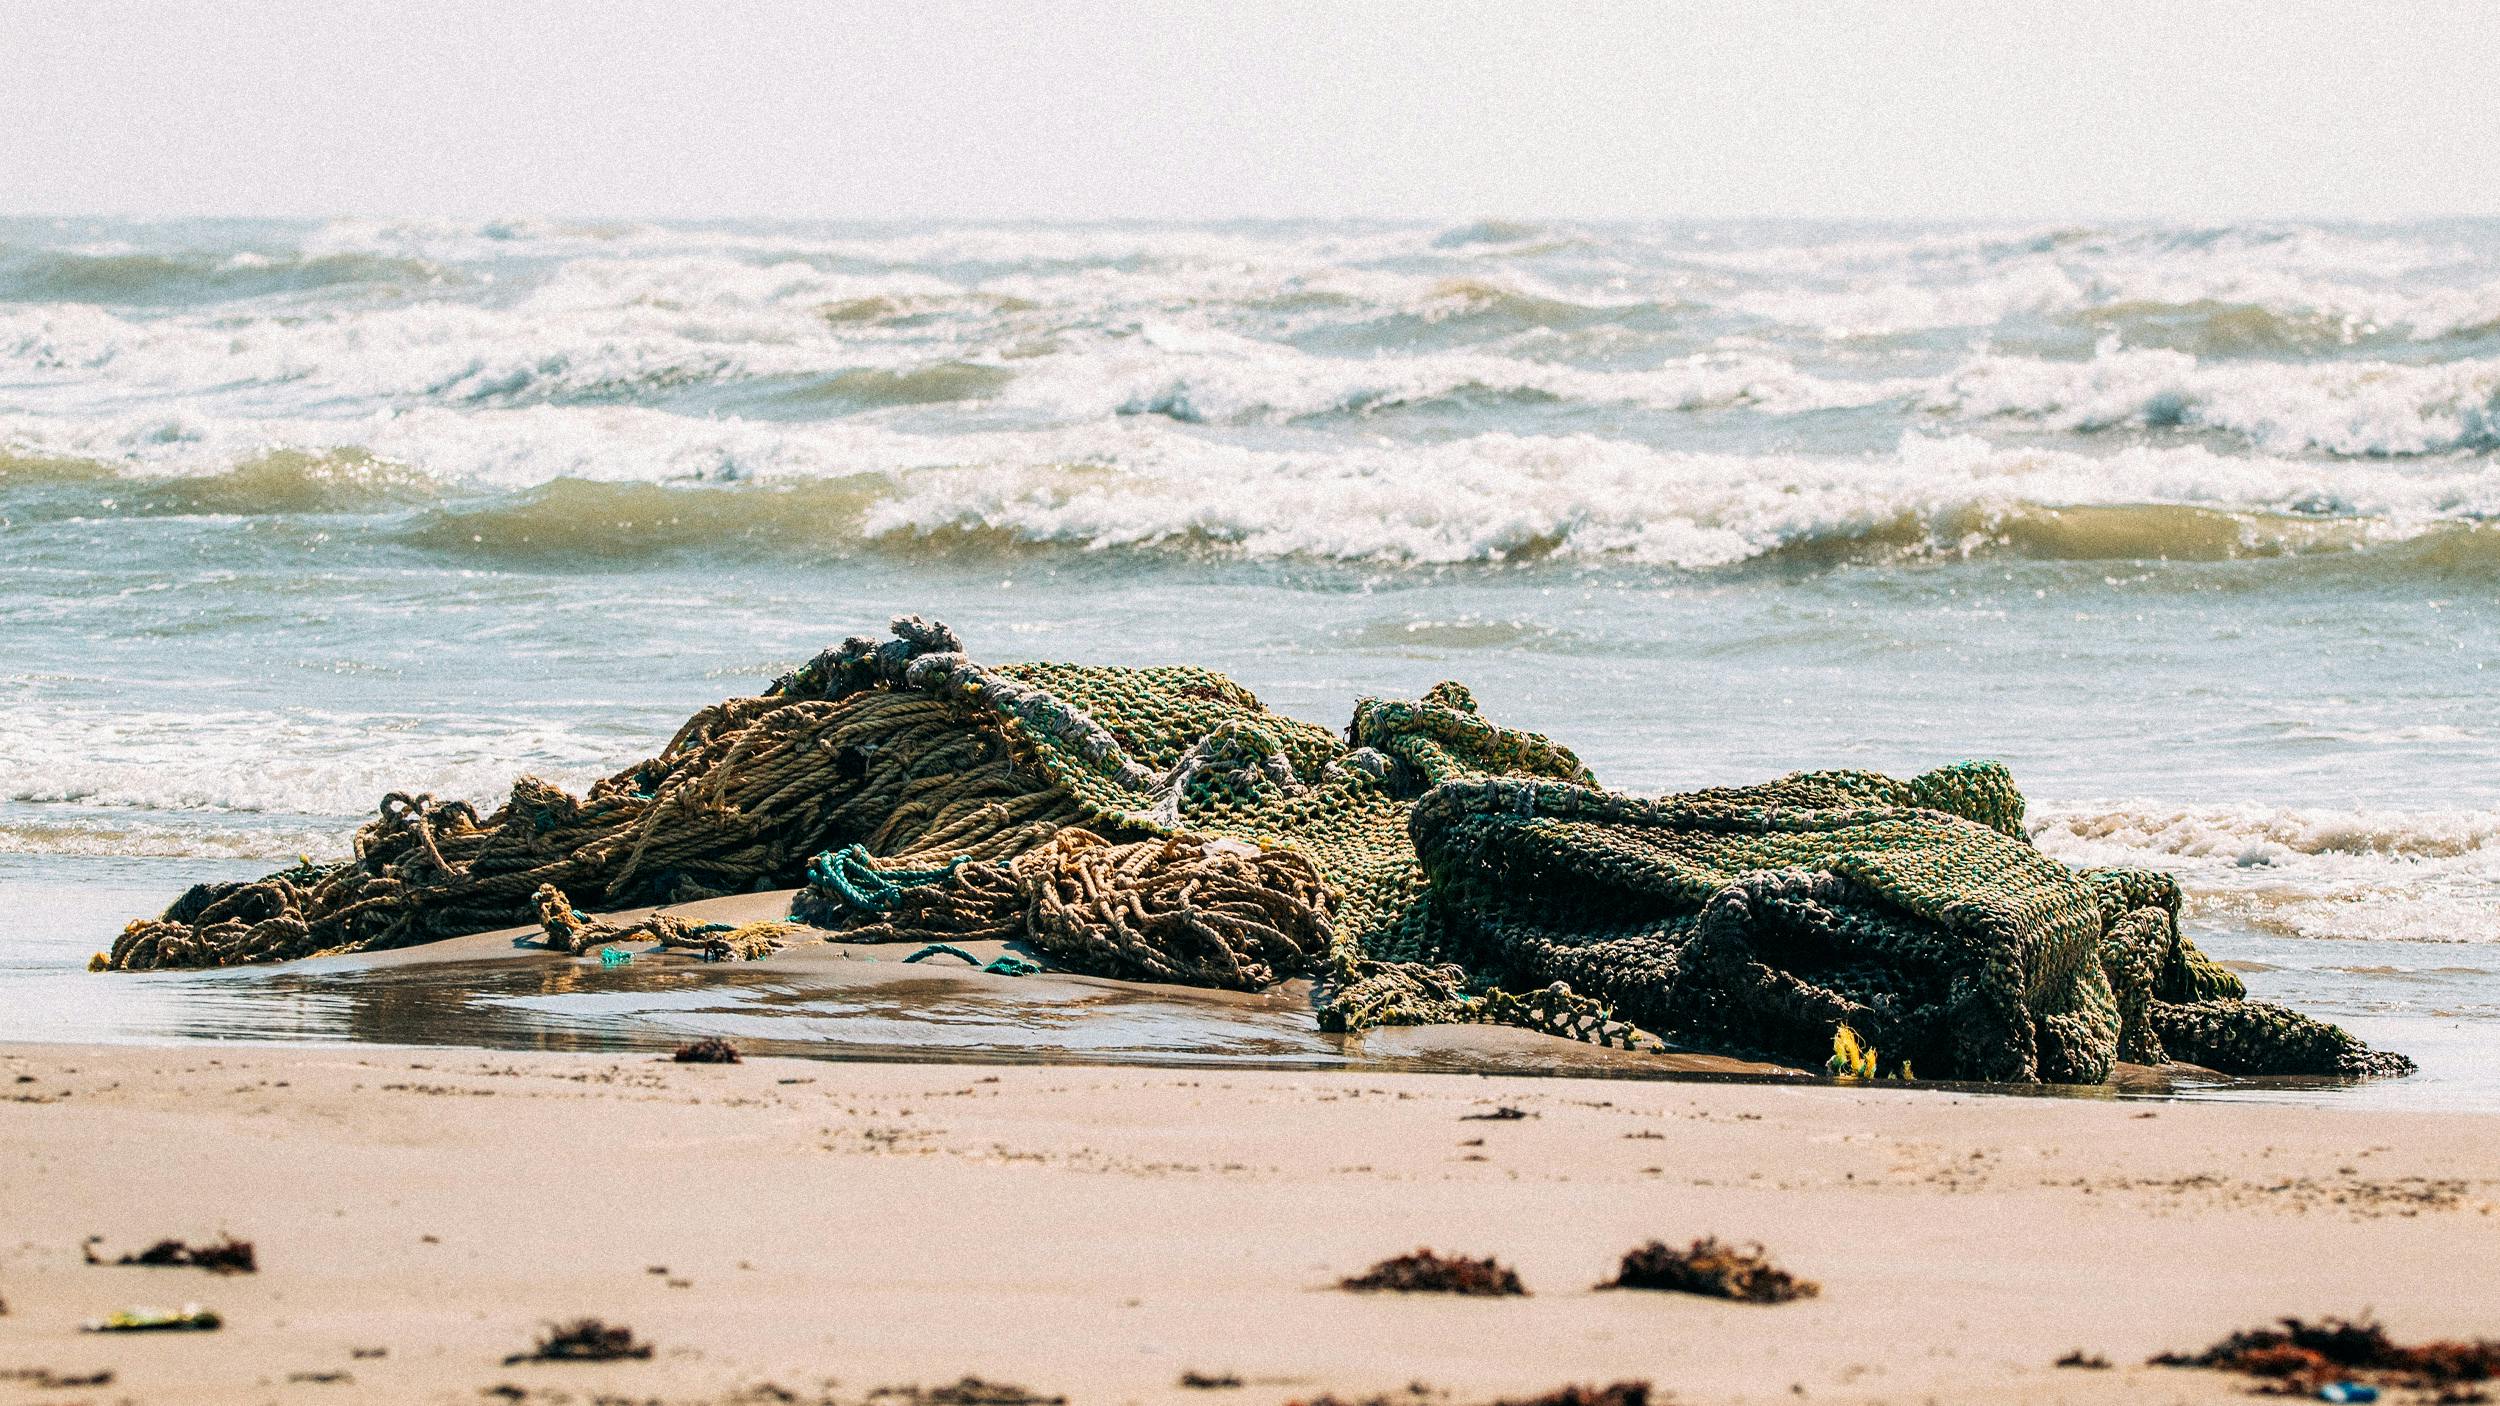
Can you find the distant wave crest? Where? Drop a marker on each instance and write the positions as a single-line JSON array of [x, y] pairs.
[[550, 482]]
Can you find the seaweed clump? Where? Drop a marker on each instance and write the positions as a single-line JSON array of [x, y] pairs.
[[584, 1340], [1711, 1268], [967, 1391], [2302, 1357], [1617, 1394], [227, 1256], [711, 1049], [1424, 1272]]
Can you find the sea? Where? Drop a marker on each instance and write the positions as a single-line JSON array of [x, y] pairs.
[[2196, 528]]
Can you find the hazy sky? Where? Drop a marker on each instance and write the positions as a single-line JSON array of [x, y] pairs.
[[1088, 109]]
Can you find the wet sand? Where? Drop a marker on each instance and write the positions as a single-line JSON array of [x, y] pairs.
[[506, 990], [1099, 1232]]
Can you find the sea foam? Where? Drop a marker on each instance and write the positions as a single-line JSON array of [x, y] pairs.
[[2364, 873]]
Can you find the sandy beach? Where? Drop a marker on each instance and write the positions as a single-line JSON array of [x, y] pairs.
[[826, 1230]]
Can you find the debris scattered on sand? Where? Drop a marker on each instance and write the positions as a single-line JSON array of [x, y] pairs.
[[1712, 1268], [1424, 1272], [190, 1318], [228, 1256], [45, 1379], [583, 1340], [2088, 1361], [2307, 1357], [967, 1391], [1503, 1114], [1415, 1393], [1618, 1394], [711, 1049], [1203, 1382]]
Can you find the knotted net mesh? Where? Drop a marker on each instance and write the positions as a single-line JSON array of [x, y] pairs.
[[1428, 866]]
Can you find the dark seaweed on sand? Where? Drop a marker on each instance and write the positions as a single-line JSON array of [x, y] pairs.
[[45, 1379], [1617, 1394], [967, 1391], [1424, 1272], [709, 1050], [2305, 1356], [225, 1257], [1709, 1267], [584, 1340]]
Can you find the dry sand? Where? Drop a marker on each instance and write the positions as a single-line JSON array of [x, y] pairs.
[[781, 1224]]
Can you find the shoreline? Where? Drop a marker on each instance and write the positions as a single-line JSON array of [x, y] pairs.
[[504, 989], [1099, 1231]]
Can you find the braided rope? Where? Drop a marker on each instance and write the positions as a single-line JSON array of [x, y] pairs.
[[1204, 914], [740, 799]]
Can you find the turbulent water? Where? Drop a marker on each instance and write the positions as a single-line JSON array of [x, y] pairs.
[[2197, 528]]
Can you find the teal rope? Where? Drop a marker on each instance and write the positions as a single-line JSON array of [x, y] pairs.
[[853, 876], [1008, 964]]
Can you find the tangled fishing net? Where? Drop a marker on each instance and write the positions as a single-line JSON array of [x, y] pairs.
[[1429, 866]]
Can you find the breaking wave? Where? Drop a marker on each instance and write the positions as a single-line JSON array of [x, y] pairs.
[[2354, 874], [136, 837], [553, 483], [118, 769], [2279, 339], [69, 276], [2352, 408]]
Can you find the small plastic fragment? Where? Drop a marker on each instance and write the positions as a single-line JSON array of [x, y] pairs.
[[190, 1318]]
